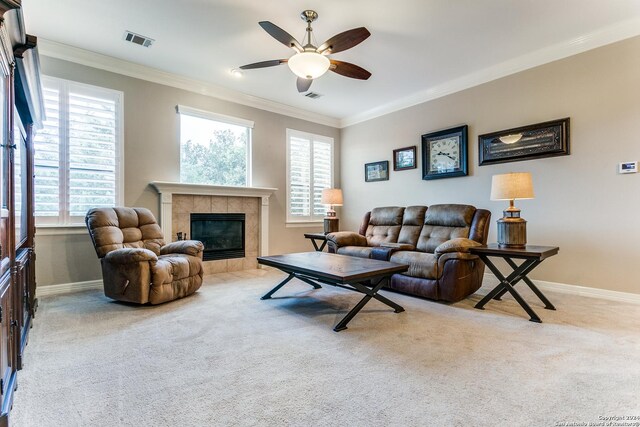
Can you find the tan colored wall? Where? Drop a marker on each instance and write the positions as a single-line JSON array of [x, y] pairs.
[[152, 153], [581, 204]]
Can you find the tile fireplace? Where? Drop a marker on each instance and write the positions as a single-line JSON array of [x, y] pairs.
[[179, 201]]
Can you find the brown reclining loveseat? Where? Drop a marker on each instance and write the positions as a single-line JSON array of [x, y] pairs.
[[433, 241]]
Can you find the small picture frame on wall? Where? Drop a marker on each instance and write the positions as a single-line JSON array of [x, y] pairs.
[[444, 153], [376, 171], [404, 158]]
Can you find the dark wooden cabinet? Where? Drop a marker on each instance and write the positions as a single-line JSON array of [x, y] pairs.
[[21, 112]]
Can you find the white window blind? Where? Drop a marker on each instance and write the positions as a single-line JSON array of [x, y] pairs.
[[78, 153], [309, 171]]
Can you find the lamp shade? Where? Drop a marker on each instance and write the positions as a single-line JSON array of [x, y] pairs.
[[331, 196], [308, 65], [510, 186]]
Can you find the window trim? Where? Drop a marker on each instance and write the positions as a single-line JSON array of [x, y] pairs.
[[222, 118], [64, 220], [311, 220]]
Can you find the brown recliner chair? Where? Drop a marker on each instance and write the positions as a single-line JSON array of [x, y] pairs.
[[137, 265]]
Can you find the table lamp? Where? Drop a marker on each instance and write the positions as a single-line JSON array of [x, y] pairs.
[[512, 230], [331, 197]]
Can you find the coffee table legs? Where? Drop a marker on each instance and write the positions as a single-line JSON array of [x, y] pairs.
[[285, 281], [369, 291]]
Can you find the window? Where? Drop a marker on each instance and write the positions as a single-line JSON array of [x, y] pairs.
[[214, 149], [78, 153], [309, 171]]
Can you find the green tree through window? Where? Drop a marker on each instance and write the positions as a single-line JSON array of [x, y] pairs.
[[213, 152]]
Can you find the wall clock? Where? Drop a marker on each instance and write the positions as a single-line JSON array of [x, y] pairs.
[[444, 153]]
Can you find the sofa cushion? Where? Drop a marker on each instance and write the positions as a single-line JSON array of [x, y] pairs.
[[378, 234], [358, 251], [420, 264], [414, 215], [174, 276], [390, 215], [442, 223], [117, 228], [450, 215], [433, 236]]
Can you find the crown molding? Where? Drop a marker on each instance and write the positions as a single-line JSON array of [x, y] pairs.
[[601, 37], [595, 39], [108, 63]]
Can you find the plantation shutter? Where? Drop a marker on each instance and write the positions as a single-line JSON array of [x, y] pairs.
[[310, 170], [77, 153], [300, 177], [92, 127], [47, 157], [321, 175]]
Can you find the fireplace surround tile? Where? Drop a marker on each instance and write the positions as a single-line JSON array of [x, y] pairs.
[[219, 204], [181, 221], [202, 204], [179, 200]]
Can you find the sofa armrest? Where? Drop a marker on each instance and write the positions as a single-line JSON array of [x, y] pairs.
[[130, 256], [456, 245], [346, 238], [187, 247]]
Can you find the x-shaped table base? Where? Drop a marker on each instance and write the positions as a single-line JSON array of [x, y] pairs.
[[370, 291], [507, 284]]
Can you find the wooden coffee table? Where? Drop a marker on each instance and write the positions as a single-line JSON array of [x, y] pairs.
[[362, 275]]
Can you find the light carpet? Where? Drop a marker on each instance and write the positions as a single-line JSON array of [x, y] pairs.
[[223, 357]]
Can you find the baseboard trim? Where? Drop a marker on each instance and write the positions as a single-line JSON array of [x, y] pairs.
[[565, 288], [67, 288], [489, 282]]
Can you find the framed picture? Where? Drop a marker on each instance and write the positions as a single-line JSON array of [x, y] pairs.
[[377, 171], [404, 158], [444, 153], [548, 139]]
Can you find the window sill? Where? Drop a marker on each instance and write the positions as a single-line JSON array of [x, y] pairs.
[[60, 230], [302, 224]]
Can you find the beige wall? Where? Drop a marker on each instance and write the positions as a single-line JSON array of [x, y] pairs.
[[152, 153], [582, 205]]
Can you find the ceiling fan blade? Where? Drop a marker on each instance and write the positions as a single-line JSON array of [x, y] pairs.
[[349, 70], [303, 84], [264, 64], [345, 40], [281, 35]]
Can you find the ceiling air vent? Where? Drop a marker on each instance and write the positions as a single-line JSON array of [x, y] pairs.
[[138, 39], [313, 95]]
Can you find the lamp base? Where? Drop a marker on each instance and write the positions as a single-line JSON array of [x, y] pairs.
[[512, 233], [331, 225]]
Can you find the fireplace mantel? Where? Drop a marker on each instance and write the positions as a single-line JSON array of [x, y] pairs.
[[168, 189]]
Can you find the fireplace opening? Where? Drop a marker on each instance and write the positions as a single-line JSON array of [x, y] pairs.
[[221, 234]]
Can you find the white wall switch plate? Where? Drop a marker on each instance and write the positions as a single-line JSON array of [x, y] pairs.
[[628, 167]]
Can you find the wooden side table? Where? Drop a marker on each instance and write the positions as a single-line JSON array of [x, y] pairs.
[[532, 256], [315, 238]]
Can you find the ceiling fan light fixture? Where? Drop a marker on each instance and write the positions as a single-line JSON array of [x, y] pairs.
[[308, 65]]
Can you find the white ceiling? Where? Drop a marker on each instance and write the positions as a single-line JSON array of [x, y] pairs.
[[419, 49]]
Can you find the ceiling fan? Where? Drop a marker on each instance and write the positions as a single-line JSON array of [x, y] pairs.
[[310, 62]]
